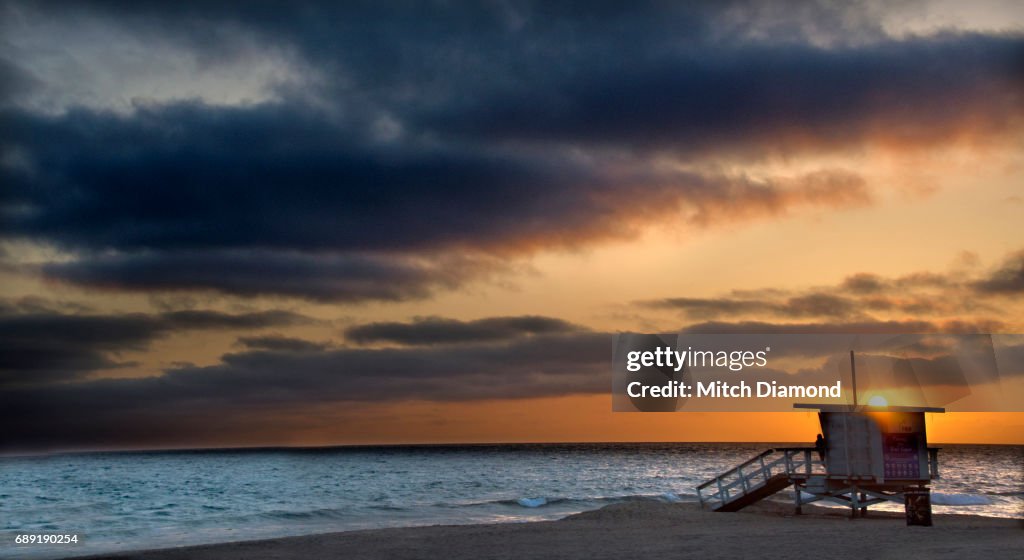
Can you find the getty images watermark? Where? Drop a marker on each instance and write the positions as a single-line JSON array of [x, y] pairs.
[[771, 372]]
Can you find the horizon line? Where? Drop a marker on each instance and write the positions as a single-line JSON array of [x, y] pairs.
[[327, 447]]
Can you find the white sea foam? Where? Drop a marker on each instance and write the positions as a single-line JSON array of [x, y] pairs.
[[940, 499]]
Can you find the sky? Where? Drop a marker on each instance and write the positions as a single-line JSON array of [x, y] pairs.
[[302, 223]]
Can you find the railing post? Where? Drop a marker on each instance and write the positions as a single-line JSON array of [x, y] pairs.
[[807, 461], [764, 469], [722, 496], [798, 498]]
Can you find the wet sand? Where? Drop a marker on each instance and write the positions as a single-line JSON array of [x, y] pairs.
[[647, 530]]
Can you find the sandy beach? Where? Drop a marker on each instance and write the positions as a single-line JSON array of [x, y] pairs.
[[647, 529]]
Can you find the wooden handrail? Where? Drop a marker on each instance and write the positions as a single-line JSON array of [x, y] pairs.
[[792, 460], [795, 462], [736, 468]]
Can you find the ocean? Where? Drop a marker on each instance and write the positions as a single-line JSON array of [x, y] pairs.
[[134, 500]]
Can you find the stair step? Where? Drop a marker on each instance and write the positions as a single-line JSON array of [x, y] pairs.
[[758, 478], [774, 484]]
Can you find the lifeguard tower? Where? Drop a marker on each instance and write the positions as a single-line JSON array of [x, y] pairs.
[[872, 454]]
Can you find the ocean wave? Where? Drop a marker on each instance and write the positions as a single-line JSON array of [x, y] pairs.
[[671, 497], [586, 502], [937, 498], [940, 499], [323, 513], [386, 508], [529, 502]]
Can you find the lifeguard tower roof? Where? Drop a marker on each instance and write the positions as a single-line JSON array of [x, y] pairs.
[[867, 408]]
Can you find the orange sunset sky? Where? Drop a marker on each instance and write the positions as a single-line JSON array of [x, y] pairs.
[[235, 228]]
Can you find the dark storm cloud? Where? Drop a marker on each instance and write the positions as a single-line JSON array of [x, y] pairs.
[[181, 177], [810, 305], [473, 129], [532, 366], [88, 413], [296, 212], [762, 327], [15, 82], [278, 343], [40, 345], [324, 277], [764, 98], [863, 298], [864, 283], [178, 177], [439, 330], [1008, 279]]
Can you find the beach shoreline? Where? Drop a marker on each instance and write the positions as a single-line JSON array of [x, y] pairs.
[[635, 529]]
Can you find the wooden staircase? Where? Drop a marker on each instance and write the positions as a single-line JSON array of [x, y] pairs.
[[773, 485], [759, 477]]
